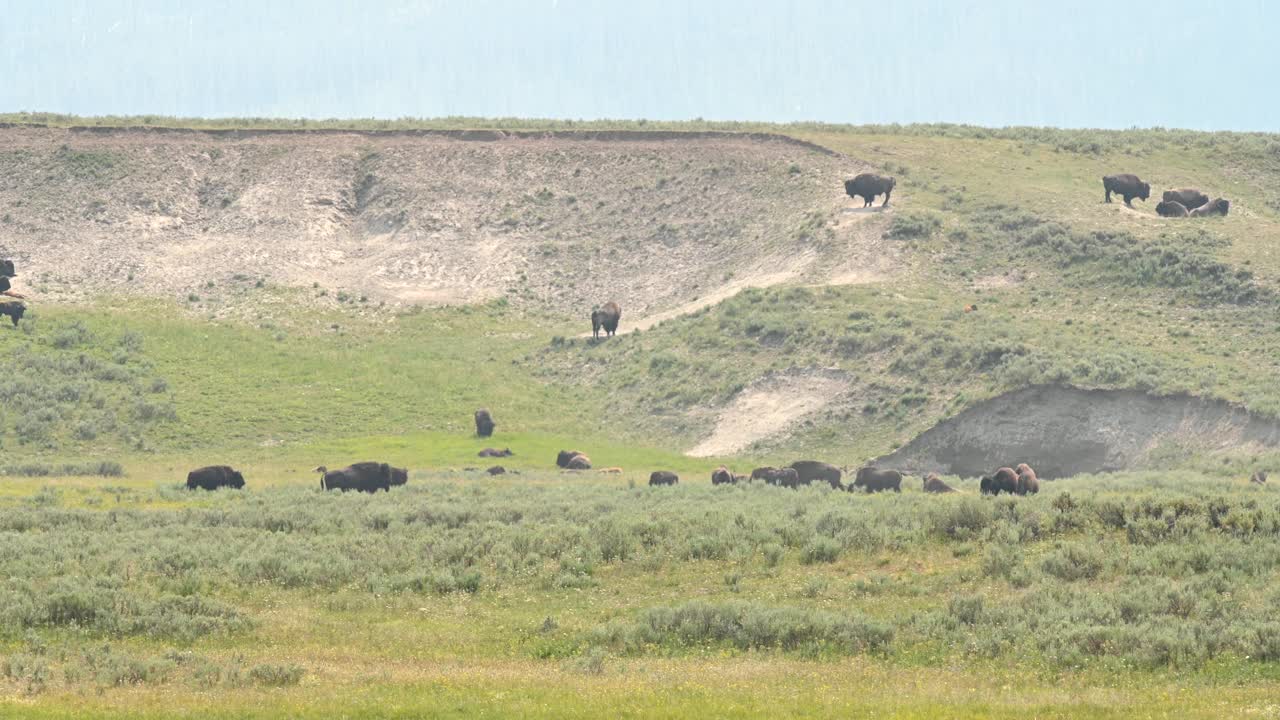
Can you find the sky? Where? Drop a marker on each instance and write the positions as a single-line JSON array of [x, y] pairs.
[[1083, 63]]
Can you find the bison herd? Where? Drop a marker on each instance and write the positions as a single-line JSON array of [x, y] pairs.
[[1187, 202]]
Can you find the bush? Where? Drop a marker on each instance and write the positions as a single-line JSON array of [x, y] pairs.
[[276, 675], [914, 224]]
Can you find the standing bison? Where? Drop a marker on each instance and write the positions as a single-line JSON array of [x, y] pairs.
[[1004, 480], [810, 470], [663, 477], [722, 476], [873, 479], [214, 477], [1215, 207], [362, 476], [1126, 186], [605, 318], [935, 484], [1189, 198], [1028, 483], [785, 477], [484, 423], [15, 309], [1171, 208], [868, 186]]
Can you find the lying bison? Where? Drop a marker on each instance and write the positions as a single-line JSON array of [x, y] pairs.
[[363, 476], [785, 477], [484, 423], [497, 470], [868, 186], [1215, 207], [810, 470], [494, 452], [1171, 209], [1127, 186], [1028, 483], [579, 462], [214, 477], [1004, 480], [1189, 198], [563, 458], [605, 318], [872, 479], [935, 484], [663, 477], [722, 476], [14, 309]]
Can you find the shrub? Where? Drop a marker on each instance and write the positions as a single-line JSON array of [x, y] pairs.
[[276, 675]]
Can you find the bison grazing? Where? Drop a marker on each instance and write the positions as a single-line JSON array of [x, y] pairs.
[[1216, 207], [363, 476], [868, 186], [1004, 480], [605, 318], [810, 470], [494, 452], [663, 477], [1259, 477], [722, 476], [786, 477], [214, 477], [484, 423], [1188, 198], [934, 484], [1027, 483], [14, 309], [1127, 186], [874, 479], [1171, 208]]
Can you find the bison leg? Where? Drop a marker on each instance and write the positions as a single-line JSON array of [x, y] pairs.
[[887, 193]]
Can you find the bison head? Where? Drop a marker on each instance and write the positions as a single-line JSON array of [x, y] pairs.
[[237, 480], [1146, 191]]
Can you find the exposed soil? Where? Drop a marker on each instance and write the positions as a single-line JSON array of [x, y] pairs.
[[659, 222], [1065, 431], [769, 408]]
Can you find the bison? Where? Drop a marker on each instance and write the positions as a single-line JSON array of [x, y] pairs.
[[14, 309], [484, 423], [872, 479], [1127, 186], [1259, 477], [1189, 198], [1003, 480], [722, 476], [562, 459], [1216, 207], [810, 470], [363, 476], [1028, 483], [496, 470], [868, 186], [6, 269], [214, 477], [1171, 209], [663, 477], [934, 484], [579, 462], [605, 318], [786, 477], [494, 452]]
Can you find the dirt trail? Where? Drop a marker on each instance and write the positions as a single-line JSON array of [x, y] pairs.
[[769, 407]]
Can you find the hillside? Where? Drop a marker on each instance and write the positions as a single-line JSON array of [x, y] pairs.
[[776, 317]]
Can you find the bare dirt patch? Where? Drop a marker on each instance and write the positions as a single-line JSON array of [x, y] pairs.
[[770, 407], [1065, 431]]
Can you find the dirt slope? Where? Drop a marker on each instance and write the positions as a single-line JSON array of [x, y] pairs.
[[1064, 431], [655, 221]]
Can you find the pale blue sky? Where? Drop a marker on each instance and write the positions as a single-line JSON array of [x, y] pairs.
[[1079, 63]]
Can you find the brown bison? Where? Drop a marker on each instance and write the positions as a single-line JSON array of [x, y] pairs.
[[1189, 198], [1171, 209], [494, 452], [810, 470], [579, 462], [1127, 186], [1216, 207], [872, 479], [496, 470], [1028, 483], [1259, 477], [663, 477], [6, 269], [605, 318], [563, 458], [14, 309], [363, 476], [785, 477], [214, 477], [868, 186], [935, 484], [484, 423], [1004, 480], [722, 476]]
